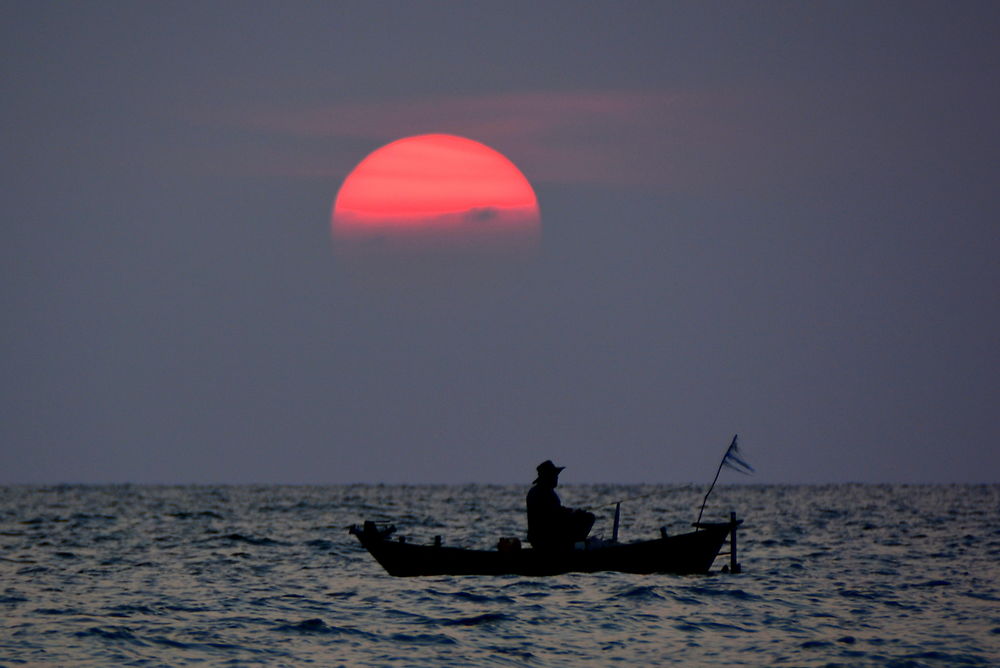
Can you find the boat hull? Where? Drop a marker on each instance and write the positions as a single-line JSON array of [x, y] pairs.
[[692, 552]]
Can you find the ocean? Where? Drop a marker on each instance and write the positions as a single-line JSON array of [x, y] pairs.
[[850, 575]]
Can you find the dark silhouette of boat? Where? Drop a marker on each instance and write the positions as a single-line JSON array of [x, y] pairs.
[[686, 553]]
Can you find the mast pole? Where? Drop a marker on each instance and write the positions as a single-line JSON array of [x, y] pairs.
[[618, 517], [734, 564], [715, 480]]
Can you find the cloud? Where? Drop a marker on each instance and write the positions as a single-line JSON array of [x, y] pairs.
[[588, 137], [752, 139], [482, 214]]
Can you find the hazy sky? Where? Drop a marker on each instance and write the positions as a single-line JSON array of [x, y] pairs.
[[777, 219]]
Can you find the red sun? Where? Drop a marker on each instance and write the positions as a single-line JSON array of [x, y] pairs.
[[435, 192]]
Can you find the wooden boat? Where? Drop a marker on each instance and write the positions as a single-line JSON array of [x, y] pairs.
[[692, 552]]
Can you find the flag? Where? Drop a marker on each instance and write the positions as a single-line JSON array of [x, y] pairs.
[[733, 460]]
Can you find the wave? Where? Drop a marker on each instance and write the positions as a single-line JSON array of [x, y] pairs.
[[251, 540], [738, 594], [317, 626], [320, 544], [473, 597], [423, 639], [477, 620], [645, 593], [128, 610], [113, 633], [196, 515]]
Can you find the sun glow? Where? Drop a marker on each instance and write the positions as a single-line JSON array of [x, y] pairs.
[[432, 192]]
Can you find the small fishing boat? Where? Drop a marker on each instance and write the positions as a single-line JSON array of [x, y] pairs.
[[692, 552]]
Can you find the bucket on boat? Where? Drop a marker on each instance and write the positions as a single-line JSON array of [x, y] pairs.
[[509, 544]]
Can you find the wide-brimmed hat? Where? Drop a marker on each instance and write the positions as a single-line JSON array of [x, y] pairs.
[[547, 469]]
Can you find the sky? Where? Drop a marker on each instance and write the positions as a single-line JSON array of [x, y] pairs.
[[774, 219]]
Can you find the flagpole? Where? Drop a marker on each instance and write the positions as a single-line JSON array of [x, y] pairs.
[[716, 479]]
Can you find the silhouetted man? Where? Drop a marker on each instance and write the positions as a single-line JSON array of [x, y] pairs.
[[550, 525]]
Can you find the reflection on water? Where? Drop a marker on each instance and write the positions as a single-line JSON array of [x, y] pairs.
[[266, 575]]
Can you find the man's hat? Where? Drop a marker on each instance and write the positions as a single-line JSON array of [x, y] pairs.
[[547, 469]]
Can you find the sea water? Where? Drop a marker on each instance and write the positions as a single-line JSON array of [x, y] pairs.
[[267, 575]]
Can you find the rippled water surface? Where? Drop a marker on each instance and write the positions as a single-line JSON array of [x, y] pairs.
[[848, 575]]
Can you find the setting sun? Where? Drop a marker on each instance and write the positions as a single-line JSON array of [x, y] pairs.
[[432, 192]]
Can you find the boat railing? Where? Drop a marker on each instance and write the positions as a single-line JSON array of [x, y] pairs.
[[731, 525], [371, 531]]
